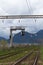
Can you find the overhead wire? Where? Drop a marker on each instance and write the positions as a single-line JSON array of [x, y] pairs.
[[30, 7]]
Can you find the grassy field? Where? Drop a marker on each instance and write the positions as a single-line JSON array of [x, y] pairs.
[[41, 53], [18, 52]]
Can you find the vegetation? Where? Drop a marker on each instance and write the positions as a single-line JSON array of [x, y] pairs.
[[3, 43], [41, 53], [18, 52]]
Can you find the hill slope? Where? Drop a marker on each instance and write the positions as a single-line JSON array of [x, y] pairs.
[[27, 38]]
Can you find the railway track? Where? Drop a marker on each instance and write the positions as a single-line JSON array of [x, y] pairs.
[[19, 62], [16, 63], [10, 54], [33, 62], [36, 59]]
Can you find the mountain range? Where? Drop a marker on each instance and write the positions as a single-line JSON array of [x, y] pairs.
[[27, 38]]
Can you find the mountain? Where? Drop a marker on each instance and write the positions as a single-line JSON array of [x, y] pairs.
[[2, 38], [40, 34], [18, 38], [28, 37]]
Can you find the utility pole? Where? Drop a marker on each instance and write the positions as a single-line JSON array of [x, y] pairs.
[[11, 38]]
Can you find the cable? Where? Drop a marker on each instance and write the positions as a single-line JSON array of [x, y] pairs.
[[28, 1], [30, 10], [29, 6]]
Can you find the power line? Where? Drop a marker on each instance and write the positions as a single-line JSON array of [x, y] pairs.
[[27, 1], [29, 5]]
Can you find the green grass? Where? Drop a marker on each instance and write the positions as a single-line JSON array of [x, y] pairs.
[[15, 50], [21, 51], [41, 53], [11, 50], [14, 58]]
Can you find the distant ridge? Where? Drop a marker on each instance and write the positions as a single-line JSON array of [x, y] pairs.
[[27, 38]]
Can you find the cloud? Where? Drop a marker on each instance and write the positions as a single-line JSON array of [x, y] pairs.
[[20, 7]]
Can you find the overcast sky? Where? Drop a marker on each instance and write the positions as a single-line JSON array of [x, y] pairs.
[[16, 7]]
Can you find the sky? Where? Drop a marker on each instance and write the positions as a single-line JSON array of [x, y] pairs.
[[19, 7]]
